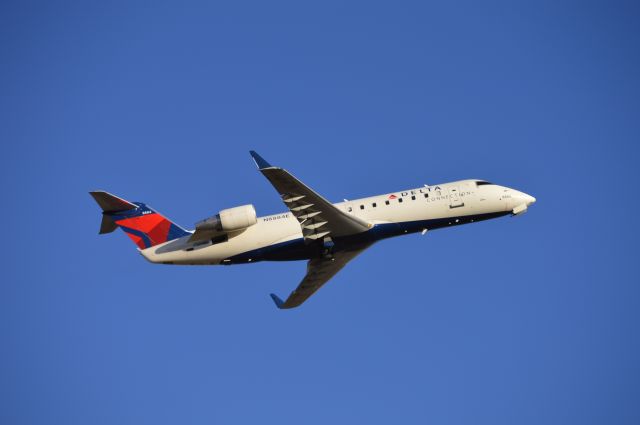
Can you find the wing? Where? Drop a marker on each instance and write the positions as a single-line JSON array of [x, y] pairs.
[[319, 271], [317, 216]]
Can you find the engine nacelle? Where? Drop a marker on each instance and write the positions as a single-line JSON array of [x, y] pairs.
[[238, 218], [231, 219]]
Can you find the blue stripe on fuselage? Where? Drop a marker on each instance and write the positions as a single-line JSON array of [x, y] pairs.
[[298, 249]]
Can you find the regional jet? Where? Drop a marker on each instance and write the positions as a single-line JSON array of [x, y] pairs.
[[325, 234]]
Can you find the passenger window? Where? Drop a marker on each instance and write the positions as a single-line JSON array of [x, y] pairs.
[[400, 200], [386, 202], [413, 198], [361, 207], [349, 209], [426, 195], [373, 205]]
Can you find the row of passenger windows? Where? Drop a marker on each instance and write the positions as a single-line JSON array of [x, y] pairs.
[[387, 202]]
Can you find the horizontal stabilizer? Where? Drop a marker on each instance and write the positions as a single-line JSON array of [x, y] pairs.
[[111, 203]]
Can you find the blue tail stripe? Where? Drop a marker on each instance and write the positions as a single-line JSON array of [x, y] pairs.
[[145, 238]]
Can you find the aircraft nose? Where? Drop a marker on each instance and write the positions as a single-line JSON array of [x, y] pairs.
[[520, 201]]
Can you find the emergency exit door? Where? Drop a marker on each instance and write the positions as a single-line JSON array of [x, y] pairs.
[[454, 198]]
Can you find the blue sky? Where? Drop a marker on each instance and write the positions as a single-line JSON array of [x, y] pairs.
[[522, 320]]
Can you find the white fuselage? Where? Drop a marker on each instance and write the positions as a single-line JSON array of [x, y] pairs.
[[279, 236]]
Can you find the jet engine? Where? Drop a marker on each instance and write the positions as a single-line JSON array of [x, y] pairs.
[[229, 220]]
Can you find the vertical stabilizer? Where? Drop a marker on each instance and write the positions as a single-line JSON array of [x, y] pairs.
[[143, 225]]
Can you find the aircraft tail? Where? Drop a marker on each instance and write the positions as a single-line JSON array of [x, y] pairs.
[[144, 226]]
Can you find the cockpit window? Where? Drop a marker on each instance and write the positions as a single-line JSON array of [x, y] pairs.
[[482, 183]]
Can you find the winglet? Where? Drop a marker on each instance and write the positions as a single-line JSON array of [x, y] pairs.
[[260, 161], [276, 299]]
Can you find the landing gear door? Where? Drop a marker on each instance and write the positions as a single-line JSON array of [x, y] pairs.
[[454, 198]]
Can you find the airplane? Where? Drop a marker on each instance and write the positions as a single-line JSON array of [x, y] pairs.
[[325, 234]]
